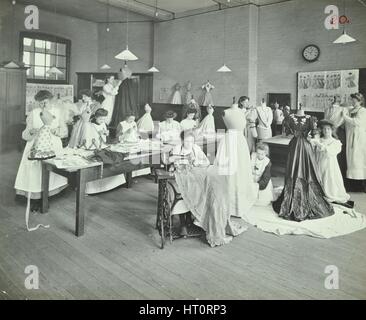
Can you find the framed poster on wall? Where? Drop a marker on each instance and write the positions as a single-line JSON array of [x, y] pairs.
[[317, 90]]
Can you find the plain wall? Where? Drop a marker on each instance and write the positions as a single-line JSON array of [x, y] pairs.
[[285, 29], [192, 49]]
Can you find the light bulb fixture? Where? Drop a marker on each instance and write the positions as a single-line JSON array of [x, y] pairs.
[[224, 68], [11, 65], [54, 70], [126, 54], [153, 68], [344, 38], [105, 67]]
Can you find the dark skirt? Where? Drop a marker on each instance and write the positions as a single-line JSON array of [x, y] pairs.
[[302, 197]]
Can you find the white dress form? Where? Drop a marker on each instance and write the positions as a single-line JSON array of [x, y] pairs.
[[177, 97], [265, 118]]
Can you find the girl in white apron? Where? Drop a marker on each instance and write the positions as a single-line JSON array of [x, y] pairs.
[[29, 176]]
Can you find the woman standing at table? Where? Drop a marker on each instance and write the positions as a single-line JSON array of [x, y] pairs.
[[355, 120], [29, 176]]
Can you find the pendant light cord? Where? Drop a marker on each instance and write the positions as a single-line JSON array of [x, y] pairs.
[[127, 28], [224, 36]]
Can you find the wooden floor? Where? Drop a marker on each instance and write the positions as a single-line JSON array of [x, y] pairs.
[[119, 256]]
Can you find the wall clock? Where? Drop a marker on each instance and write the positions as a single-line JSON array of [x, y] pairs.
[[311, 53]]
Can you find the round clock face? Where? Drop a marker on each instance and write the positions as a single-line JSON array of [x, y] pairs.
[[311, 53]]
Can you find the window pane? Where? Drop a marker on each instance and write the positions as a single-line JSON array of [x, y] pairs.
[[50, 60], [26, 57], [61, 62], [61, 49], [62, 76], [50, 47], [28, 44], [39, 59], [39, 72], [40, 44]]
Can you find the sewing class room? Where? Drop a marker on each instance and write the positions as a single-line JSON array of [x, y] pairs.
[[182, 150]]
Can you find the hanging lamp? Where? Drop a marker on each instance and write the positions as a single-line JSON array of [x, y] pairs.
[[153, 68], [54, 70], [106, 66], [344, 38], [126, 54], [224, 68]]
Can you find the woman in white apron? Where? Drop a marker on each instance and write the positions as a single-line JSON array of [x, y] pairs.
[[29, 176], [355, 121], [110, 90]]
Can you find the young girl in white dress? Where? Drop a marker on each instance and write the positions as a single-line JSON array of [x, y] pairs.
[[326, 149], [261, 170], [97, 134], [189, 123], [127, 130], [169, 129], [29, 176]]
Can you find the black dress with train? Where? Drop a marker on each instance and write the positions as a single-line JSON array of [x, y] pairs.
[[302, 197]]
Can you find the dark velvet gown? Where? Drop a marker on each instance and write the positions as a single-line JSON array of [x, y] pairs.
[[302, 197]]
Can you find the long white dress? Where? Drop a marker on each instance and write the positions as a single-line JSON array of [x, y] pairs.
[[207, 126], [233, 160], [109, 93], [330, 173], [177, 97], [355, 144], [224, 189], [265, 118], [146, 123], [29, 176]]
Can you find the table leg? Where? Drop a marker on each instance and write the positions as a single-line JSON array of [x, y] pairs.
[[80, 200], [45, 188], [129, 180]]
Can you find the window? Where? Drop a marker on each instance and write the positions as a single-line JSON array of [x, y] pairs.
[[40, 52]]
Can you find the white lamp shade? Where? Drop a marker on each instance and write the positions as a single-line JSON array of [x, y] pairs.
[[54, 70], [224, 68], [153, 69], [126, 55], [344, 38], [105, 67], [11, 65]]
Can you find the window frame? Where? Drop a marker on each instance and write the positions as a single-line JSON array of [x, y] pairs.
[[51, 38]]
